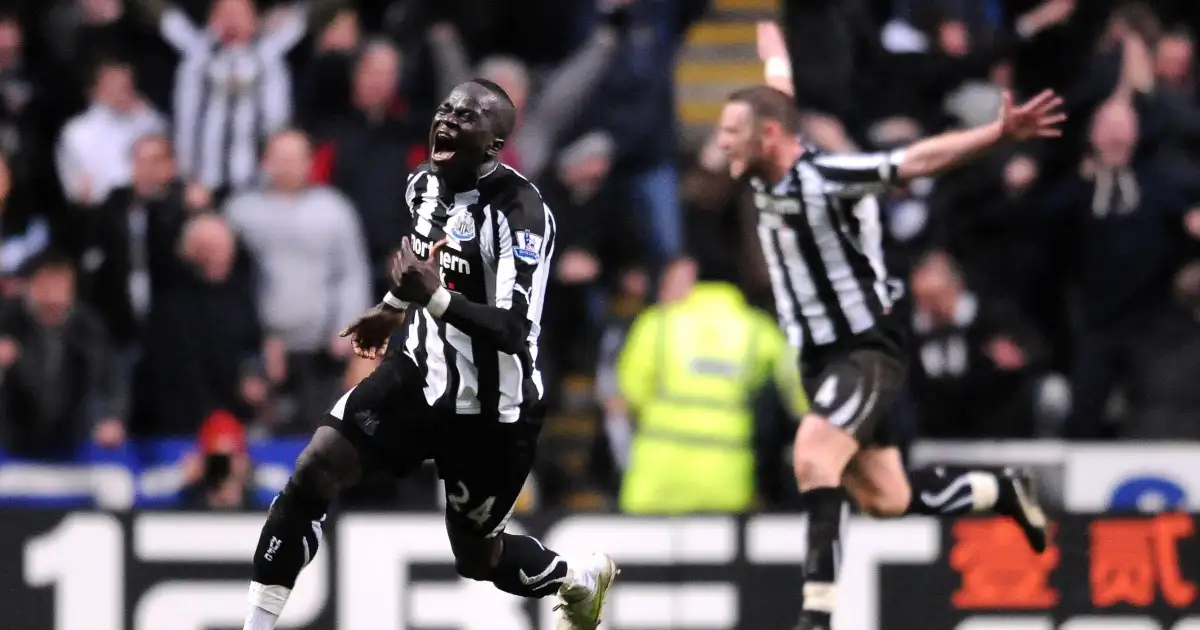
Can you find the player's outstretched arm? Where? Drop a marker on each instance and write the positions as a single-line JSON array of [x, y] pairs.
[[1040, 117], [872, 173]]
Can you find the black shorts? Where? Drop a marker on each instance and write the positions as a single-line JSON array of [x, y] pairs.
[[855, 390], [483, 462]]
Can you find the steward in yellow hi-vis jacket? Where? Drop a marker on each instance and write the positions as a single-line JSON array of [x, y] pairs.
[[690, 372]]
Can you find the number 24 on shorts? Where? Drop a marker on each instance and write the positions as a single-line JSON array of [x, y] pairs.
[[479, 515]]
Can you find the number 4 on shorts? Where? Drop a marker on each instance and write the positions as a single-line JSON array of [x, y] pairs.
[[827, 392]]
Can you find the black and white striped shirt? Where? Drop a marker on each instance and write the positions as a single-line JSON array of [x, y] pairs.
[[822, 241], [500, 240], [229, 99]]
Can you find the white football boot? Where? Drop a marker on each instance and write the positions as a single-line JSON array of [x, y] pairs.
[[581, 596]]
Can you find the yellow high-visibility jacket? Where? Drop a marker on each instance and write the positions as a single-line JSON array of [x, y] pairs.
[[689, 372]]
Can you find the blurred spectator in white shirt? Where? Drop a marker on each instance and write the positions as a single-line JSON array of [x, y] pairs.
[[93, 151]]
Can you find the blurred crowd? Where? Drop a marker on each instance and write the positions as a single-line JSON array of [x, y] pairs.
[[196, 197]]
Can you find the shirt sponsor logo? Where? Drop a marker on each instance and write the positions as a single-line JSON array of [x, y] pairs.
[[776, 205], [446, 260], [526, 246]]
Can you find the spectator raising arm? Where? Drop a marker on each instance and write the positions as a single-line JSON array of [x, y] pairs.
[[451, 64], [566, 90], [559, 102], [234, 65]]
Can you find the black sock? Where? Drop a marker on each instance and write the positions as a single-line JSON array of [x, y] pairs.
[[824, 506], [950, 490], [289, 538], [527, 569]]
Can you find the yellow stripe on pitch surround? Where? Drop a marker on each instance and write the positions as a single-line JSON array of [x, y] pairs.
[[746, 5], [734, 72], [723, 34], [700, 113]]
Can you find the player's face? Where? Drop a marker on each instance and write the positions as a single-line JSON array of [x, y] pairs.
[[738, 137], [462, 129]]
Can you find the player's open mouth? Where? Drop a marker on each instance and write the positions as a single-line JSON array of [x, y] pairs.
[[443, 146]]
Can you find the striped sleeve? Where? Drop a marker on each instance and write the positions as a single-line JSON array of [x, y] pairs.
[[858, 174], [525, 233], [179, 31], [285, 27], [275, 92]]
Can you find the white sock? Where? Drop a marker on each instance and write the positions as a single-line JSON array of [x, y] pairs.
[[820, 596], [259, 619], [266, 603], [985, 490]]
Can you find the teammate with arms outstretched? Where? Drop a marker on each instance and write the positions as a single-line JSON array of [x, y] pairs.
[[462, 388], [820, 231]]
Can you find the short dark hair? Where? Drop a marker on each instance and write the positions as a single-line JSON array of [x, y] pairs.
[[47, 260], [1180, 31], [108, 63], [153, 136], [287, 131], [768, 103], [506, 115], [937, 258], [711, 265], [1141, 18], [494, 88]]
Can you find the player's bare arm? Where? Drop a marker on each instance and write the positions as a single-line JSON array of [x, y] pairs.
[[370, 332], [1039, 117]]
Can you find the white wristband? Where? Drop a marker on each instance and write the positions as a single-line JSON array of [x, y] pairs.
[[395, 302], [778, 67], [1025, 28], [439, 302]]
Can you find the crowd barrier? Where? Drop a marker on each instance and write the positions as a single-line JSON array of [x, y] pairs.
[[147, 473], [1076, 478], [83, 570], [1088, 478]]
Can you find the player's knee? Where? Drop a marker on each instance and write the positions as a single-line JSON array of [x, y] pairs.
[[813, 468], [820, 454], [882, 505], [321, 470], [812, 472], [475, 558], [314, 478], [474, 565]]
